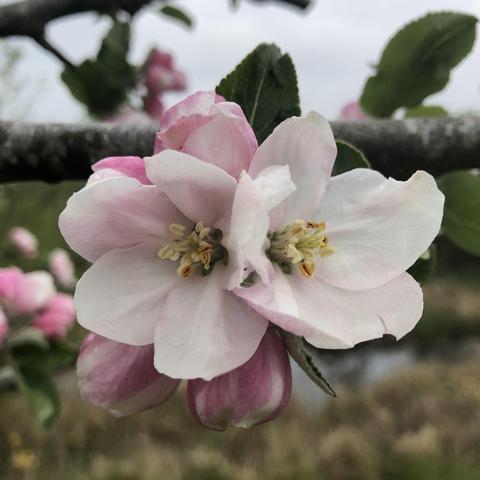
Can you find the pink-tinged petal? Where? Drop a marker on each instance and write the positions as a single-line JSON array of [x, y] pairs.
[[307, 146], [117, 213], [61, 267], [121, 377], [161, 74], [11, 280], [122, 295], [57, 317], [24, 241], [32, 293], [199, 190], [331, 317], [250, 222], [199, 103], [3, 327], [133, 167], [378, 227], [352, 112], [254, 393], [208, 128], [205, 331]]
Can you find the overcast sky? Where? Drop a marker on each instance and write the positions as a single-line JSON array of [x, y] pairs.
[[332, 46]]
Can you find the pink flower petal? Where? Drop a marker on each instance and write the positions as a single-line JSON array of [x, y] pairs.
[[3, 327], [253, 393], [61, 267], [133, 167], [378, 227], [205, 331], [57, 317], [33, 293], [122, 295], [207, 127], [24, 241], [352, 112], [307, 146], [199, 190], [121, 377], [331, 317], [117, 213]]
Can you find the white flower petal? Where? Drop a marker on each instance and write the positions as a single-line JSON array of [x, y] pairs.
[[331, 317], [378, 227], [201, 191], [307, 146], [114, 213], [205, 331], [122, 295]]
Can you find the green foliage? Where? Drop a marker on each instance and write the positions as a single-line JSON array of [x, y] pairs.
[[102, 84], [417, 62], [49, 358], [41, 393], [424, 267], [461, 218], [348, 158], [426, 111], [264, 84], [177, 14], [303, 354]]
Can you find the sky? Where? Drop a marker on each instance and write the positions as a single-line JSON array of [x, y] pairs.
[[333, 46]]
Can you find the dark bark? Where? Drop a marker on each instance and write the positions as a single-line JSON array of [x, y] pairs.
[[397, 148]]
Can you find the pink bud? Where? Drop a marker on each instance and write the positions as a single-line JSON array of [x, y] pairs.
[[121, 377], [254, 393], [161, 74], [3, 327], [24, 241], [352, 112], [57, 317], [25, 293], [153, 105], [61, 267], [33, 293]]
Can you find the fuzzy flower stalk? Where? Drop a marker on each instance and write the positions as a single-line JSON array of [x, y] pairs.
[[206, 250]]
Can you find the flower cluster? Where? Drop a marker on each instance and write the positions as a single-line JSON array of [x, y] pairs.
[[203, 253], [158, 76], [31, 300]]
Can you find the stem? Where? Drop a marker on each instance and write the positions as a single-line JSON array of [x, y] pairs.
[[42, 41]]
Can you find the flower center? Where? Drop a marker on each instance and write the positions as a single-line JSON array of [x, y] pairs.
[[198, 250], [299, 244]]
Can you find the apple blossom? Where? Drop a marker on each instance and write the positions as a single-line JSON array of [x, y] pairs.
[[253, 393], [24, 242], [352, 112], [161, 75], [3, 327], [24, 293], [56, 317], [62, 268], [156, 237], [121, 377], [329, 263]]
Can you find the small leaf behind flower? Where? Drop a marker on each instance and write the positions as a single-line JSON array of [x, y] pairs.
[[461, 219], [417, 62], [41, 393], [299, 351], [348, 158], [264, 84], [177, 14], [423, 268]]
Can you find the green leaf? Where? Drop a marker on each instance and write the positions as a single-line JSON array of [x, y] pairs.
[[348, 158], [103, 84], [28, 336], [55, 356], [423, 268], [300, 352], [426, 111], [461, 218], [41, 393], [264, 84], [177, 14], [417, 62]]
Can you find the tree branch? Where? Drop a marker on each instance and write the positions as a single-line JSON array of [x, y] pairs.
[[29, 17], [397, 148]]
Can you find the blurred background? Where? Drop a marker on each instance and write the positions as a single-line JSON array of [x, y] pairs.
[[405, 410]]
